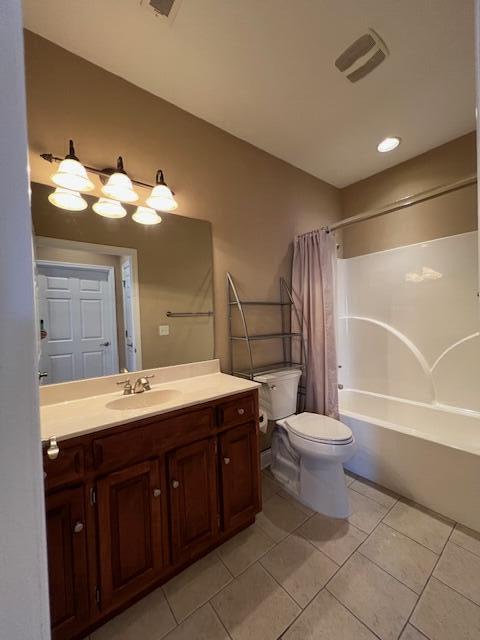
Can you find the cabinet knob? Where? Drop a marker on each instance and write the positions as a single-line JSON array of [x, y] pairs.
[[241, 411], [78, 528], [226, 460], [175, 484], [157, 493]]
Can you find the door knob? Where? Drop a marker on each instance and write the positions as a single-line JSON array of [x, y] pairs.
[[105, 344], [226, 460], [157, 493], [42, 374], [78, 528], [175, 484]]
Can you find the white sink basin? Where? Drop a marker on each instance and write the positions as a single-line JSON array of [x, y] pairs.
[[143, 400]]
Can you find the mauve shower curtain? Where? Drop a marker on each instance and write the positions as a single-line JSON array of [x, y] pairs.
[[313, 286]]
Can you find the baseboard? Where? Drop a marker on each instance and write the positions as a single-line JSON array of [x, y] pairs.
[[265, 458]]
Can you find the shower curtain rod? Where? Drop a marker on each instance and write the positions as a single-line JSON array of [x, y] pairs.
[[423, 196]]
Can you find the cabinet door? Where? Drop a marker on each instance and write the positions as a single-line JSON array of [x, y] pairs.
[[193, 498], [67, 563], [133, 533], [239, 461]]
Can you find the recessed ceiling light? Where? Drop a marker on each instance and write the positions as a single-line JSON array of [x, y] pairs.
[[388, 144]]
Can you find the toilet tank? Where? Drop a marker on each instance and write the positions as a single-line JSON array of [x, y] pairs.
[[278, 393]]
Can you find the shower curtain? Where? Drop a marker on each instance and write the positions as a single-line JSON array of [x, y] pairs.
[[313, 288]]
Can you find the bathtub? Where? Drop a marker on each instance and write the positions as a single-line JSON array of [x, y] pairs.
[[429, 454]]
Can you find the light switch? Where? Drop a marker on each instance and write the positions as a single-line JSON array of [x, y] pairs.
[[164, 330]]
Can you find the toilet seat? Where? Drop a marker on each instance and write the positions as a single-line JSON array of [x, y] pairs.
[[318, 428]]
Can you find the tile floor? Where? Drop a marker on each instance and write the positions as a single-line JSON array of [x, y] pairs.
[[392, 571]]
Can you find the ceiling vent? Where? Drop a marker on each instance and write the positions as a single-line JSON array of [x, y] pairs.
[[164, 9], [362, 57]]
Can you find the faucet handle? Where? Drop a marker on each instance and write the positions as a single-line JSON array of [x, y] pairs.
[[127, 386]]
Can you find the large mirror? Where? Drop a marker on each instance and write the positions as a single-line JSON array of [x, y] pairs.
[[115, 295]]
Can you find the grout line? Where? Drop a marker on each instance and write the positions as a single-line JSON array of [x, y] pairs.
[[437, 553], [354, 615], [219, 619], [426, 584], [456, 591]]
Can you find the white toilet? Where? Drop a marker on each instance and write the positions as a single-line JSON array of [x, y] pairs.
[[308, 449]]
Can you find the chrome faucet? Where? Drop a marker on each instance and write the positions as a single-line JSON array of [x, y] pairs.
[[142, 384]]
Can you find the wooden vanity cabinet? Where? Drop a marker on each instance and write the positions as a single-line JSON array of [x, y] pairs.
[[131, 506], [67, 562], [132, 530]]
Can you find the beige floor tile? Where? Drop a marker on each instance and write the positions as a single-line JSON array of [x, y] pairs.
[[245, 548], [255, 607], [287, 496], [326, 619], [269, 487], [201, 625], [405, 559], [280, 517], [466, 538], [149, 619], [366, 513], [443, 614], [299, 567], [377, 599], [410, 633], [338, 539], [196, 585], [422, 525], [460, 569], [374, 492]]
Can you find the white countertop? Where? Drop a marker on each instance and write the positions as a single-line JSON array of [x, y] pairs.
[[84, 415]]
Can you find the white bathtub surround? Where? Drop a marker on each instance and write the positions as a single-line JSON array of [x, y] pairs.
[[314, 293], [76, 408], [428, 454], [409, 322]]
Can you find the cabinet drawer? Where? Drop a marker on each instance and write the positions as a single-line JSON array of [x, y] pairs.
[[121, 449], [68, 467], [236, 411], [179, 430]]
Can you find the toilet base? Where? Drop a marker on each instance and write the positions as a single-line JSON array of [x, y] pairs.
[[323, 488]]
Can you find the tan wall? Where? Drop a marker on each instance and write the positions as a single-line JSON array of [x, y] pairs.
[[255, 202], [174, 273], [445, 215]]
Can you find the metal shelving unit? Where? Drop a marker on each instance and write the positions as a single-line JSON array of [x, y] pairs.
[[286, 336]]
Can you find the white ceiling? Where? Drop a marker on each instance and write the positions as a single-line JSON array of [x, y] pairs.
[[264, 70]]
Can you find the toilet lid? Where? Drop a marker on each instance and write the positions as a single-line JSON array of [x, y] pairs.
[[314, 426]]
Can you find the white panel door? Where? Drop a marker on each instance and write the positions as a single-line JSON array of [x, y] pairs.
[[77, 306], [130, 348]]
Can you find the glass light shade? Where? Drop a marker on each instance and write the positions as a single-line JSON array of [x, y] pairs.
[[71, 174], [66, 199], [119, 187], [162, 199], [109, 208], [145, 215], [388, 144]]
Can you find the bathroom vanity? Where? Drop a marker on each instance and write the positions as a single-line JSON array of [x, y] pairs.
[[134, 499]]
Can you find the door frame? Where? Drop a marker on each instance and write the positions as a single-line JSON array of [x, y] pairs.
[[127, 253], [111, 291], [123, 261]]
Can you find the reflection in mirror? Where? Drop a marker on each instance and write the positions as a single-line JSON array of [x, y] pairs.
[[114, 295]]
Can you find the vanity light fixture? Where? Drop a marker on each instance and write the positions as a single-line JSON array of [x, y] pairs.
[[388, 144], [119, 186], [145, 215], [109, 208], [161, 197], [67, 199], [71, 173]]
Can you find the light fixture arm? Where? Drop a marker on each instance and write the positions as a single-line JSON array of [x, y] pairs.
[[49, 157]]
